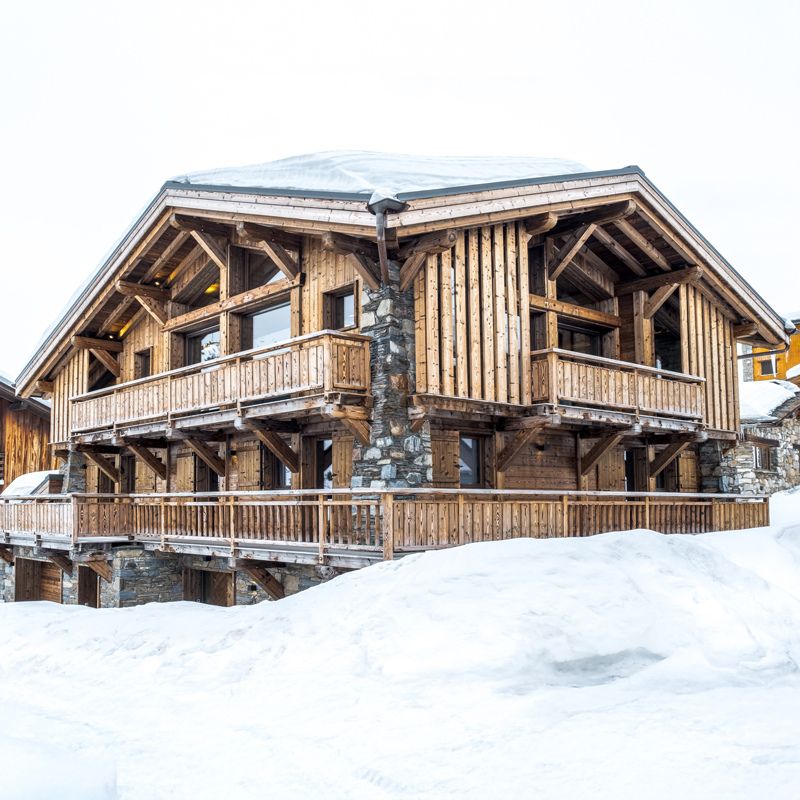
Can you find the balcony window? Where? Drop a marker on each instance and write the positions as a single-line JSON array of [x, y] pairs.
[[202, 347], [340, 309], [261, 271], [470, 461], [579, 340], [142, 363], [267, 327]]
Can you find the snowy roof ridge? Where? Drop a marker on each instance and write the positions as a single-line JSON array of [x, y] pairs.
[[767, 401], [376, 175]]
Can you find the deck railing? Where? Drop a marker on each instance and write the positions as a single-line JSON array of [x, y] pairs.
[[318, 363], [563, 377], [380, 523]]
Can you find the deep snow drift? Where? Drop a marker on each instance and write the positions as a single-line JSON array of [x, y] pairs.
[[630, 665]]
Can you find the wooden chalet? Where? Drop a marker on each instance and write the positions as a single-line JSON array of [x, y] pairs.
[[278, 365]]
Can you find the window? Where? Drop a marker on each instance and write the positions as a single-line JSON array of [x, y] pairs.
[[340, 309], [470, 461], [767, 366], [270, 326], [142, 363], [579, 340], [274, 473], [324, 464], [202, 347], [762, 457]]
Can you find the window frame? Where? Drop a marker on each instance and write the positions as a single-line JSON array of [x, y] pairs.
[[480, 466], [330, 300], [248, 338], [197, 336]]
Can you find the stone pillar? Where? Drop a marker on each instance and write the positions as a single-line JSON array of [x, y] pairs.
[[718, 469], [74, 470], [396, 455]]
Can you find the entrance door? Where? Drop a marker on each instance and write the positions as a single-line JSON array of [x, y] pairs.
[[36, 580], [88, 587], [208, 586]]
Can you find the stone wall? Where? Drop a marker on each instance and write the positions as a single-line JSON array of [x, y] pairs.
[[396, 455], [732, 469]]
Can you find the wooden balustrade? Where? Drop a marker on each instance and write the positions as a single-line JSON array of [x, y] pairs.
[[565, 377], [323, 362], [379, 524]]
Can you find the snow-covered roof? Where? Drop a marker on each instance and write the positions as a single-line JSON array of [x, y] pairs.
[[793, 372], [30, 483], [380, 175], [759, 400]]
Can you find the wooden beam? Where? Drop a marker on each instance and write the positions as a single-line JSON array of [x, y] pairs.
[[437, 242], [282, 259], [601, 447], [360, 428], [61, 561], [102, 463], [658, 298], [107, 360], [666, 457], [101, 567], [410, 269], [540, 223], [157, 309], [646, 246], [569, 250], [264, 578], [88, 343], [678, 276], [44, 387], [212, 248], [764, 441], [362, 254], [520, 440], [148, 458], [574, 312], [745, 331], [610, 243], [131, 289], [206, 455], [277, 445], [7, 555], [249, 234], [599, 216]]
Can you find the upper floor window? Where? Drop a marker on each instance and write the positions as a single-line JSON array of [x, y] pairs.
[[267, 327], [202, 347], [142, 363], [340, 309], [470, 461]]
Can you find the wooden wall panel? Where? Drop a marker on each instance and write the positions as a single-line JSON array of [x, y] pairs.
[[324, 272], [144, 334], [71, 380], [24, 439], [711, 354], [472, 320]]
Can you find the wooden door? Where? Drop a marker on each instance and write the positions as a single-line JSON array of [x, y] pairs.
[[50, 582], [208, 586], [88, 587], [193, 585], [26, 579]]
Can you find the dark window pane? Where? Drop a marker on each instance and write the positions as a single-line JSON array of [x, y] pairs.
[[324, 464], [202, 347], [470, 461]]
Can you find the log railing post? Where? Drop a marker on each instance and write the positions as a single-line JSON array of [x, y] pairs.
[[565, 515], [321, 526], [76, 518], [162, 514], [647, 512], [388, 525], [552, 378], [232, 525]]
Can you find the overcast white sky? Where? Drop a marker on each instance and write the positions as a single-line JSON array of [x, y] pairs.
[[102, 102]]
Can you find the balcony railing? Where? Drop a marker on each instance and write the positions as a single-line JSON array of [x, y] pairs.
[[562, 377], [319, 363], [367, 524]]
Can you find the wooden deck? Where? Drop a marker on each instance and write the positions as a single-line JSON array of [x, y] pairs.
[[319, 364], [562, 377], [352, 528]]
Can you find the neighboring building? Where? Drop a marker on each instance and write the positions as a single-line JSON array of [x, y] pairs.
[[779, 364], [24, 435], [392, 329], [767, 459]]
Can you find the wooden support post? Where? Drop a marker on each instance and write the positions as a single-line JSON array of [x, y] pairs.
[[101, 567], [601, 447], [207, 455], [263, 578], [75, 519], [232, 524], [388, 525], [162, 521]]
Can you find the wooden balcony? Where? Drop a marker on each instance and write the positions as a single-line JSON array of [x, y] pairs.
[[352, 528], [317, 365], [564, 379]]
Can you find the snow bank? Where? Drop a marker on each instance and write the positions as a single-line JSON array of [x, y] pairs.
[[625, 665], [759, 399], [380, 174]]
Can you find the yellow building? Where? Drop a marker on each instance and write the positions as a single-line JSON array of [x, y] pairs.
[[783, 365]]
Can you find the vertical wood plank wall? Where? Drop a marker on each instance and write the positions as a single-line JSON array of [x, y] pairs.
[[709, 351], [324, 272], [471, 317], [24, 443], [71, 380]]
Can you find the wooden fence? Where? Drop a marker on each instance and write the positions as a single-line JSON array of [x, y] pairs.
[[397, 521], [327, 361], [561, 376]]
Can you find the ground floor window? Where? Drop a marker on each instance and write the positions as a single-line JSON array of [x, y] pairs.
[[762, 457], [470, 461]]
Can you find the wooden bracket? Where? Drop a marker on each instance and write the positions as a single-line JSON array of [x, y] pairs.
[[44, 387], [157, 309], [658, 298], [601, 447], [667, 456], [415, 253], [282, 259], [264, 578], [206, 455], [101, 567], [277, 445], [569, 250], [102, 463], [62, 562], [540, 223], [363, 255], [107, 360], [360, 428], [88, 343], [151, 460]]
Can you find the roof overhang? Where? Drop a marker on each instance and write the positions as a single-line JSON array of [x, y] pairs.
[[424, 211]]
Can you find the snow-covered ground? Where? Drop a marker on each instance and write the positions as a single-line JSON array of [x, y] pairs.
[[629, 665]]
